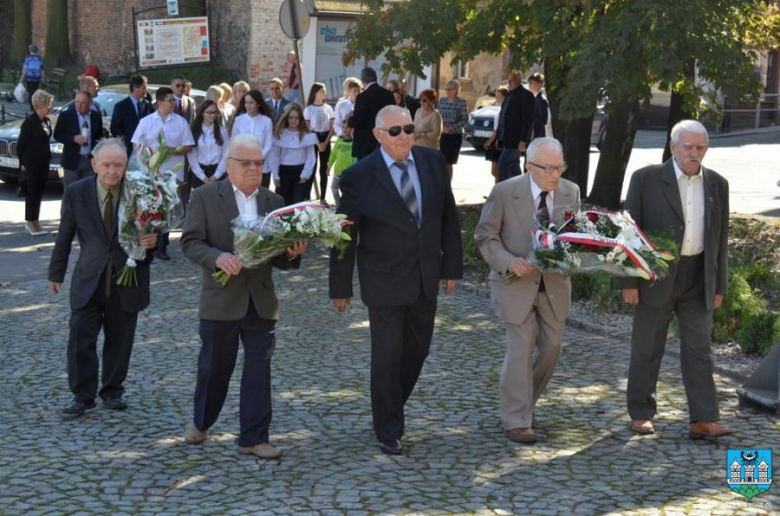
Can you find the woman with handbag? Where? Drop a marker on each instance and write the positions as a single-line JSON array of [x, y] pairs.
[[34, 157]]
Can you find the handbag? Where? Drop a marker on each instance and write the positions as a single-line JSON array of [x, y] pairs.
[[21, 184], [20, 93]]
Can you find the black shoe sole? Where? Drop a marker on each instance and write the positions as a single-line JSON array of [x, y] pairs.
[[72, 415], [123, 406]]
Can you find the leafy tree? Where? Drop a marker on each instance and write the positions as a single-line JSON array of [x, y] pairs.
[[22, 29], [57, 42], [619, 48]]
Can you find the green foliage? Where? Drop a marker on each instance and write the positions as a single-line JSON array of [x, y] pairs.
[[740, 304], [755, 246], [600, 289], [759, 333], [472, 258]]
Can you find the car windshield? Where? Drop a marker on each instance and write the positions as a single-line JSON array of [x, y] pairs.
[[107, 101]]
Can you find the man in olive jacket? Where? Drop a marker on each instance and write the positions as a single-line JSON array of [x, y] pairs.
[[246, 306]]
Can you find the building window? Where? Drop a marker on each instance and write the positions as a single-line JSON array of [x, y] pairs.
[[460, 70]]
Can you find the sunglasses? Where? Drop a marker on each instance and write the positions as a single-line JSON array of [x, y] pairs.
[[396, 129]]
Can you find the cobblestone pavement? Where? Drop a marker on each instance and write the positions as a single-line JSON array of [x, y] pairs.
[[457, 459]]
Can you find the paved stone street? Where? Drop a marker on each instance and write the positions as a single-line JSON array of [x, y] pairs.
[[457, 459]]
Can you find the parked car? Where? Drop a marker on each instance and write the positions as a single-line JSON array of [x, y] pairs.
[[9, 133], [480, 126]]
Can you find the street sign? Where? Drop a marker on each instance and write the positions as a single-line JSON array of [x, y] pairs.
[[173, 7], [294, 19]]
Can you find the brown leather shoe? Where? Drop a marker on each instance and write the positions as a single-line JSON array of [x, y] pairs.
[[642, 426], [194, 436], [264, 451], [521, 435], [708, 429]]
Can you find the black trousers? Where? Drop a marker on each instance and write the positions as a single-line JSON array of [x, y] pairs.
[[648, 341], [216, 361], [37, 175], [31, 87], [322, 160], [400, 340], [290, 186], [118, 332], [208, 170], [266, 181]]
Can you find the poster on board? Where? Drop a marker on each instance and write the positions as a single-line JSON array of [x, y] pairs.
[[173, 41]]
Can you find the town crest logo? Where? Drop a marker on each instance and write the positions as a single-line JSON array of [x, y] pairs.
[[749, 472]]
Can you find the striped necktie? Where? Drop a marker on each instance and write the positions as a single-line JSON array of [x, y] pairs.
[[407, 191]]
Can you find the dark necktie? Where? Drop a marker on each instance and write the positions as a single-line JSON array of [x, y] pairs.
[[542, 213], [407, 191], [276, 107], [138, 109], [181, 107], [108, 223]]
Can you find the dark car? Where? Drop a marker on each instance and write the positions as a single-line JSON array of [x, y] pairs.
[[107, 97], [480, 126]]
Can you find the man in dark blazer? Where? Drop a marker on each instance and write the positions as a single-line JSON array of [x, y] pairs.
[[183, 105], [276, 101], [128, 112], [89, 209], [78, 130], [683, 197], [514, 127], [373, 98], [541, 106], [406, 239], [246, 306]]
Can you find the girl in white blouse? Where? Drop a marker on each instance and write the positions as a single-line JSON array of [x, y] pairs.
[[208, 159], [319, 119], [256, 117], [292, 157]]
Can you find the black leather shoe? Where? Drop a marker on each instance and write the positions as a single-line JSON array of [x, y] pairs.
[[77, 408], [391, 447], [115, 403], [162, 254]]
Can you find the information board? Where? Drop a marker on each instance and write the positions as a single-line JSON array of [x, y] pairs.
[[173, 41]]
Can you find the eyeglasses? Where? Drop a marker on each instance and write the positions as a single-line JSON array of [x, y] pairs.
[[247, 163], [210, 112], [396, 129], [166, 100], [549, 169]]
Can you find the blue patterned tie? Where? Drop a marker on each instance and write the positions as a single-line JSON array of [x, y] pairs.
[[407, 191]]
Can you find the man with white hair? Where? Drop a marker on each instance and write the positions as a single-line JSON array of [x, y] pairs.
[[692, 202], [247, 306], [89, 209], [535, 305], [406, 239]]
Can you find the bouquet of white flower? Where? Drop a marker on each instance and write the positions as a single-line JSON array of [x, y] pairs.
[[256, 240]]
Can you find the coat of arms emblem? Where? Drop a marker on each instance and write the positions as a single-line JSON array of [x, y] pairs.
[[749, 472]]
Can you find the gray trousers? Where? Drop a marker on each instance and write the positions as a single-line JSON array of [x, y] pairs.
[[532, 350], [648, 340], [83, 170]]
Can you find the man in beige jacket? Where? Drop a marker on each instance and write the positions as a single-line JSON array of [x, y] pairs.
[[533, 305]]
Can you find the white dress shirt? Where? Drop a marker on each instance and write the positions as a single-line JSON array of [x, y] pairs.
[[176, 132], [247, 204], [84, 150], [319, 117], [536, 192], [209, 152], [692, 197], [344, 108], [290, 149], [260, 126]]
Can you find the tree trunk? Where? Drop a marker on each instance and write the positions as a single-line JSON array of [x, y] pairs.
[[574, 135], [22, 30], [57, 42], [615, 153], [677, 109]]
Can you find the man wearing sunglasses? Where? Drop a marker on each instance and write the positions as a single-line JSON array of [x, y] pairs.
[[406, 239], [534, 306]]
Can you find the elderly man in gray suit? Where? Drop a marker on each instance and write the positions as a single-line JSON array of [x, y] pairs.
[[535, 305], [247, 306], [89, 210], [691, 201]]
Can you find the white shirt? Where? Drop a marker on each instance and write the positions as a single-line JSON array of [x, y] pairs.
[[209, 152], [289, 149], [260, 126], [396, 174], [84, 150], [247, 204], [319, 117], [344, 108], [692, 197], [176, 132], [536, 192]]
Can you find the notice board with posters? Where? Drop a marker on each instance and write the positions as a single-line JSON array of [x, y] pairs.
[[173, 41]]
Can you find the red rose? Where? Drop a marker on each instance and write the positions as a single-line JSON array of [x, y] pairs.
[[593, 217]]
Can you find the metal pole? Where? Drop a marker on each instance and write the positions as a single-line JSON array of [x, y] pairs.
[[758, 114], [296, 37]]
